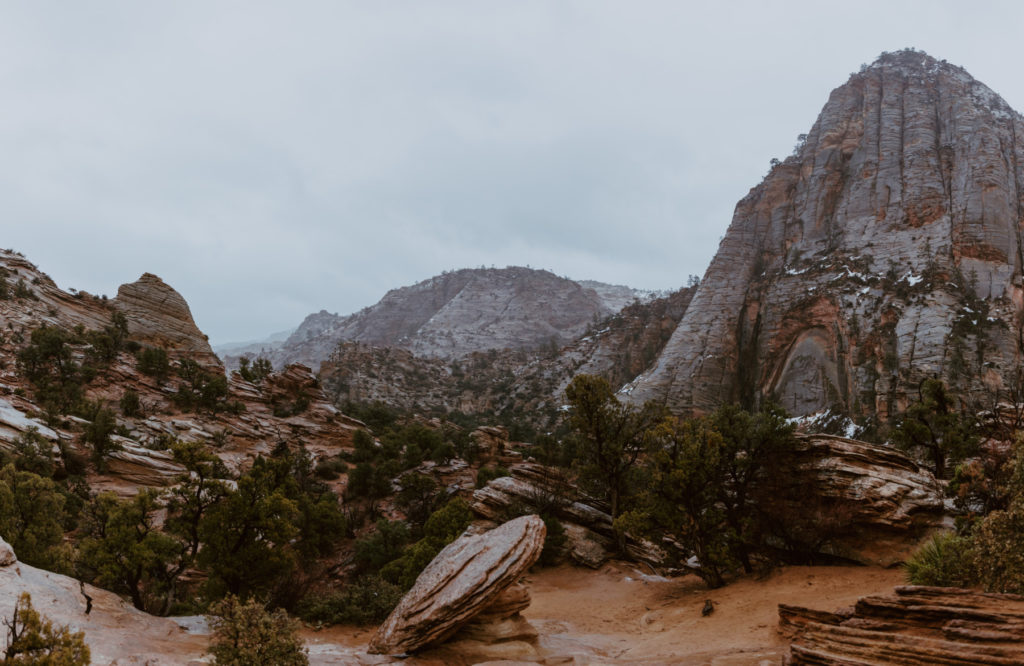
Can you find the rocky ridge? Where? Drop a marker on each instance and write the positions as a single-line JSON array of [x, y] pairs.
[[156, 316], [885, 250]]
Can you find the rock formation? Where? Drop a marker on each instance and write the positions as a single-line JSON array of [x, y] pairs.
[[914, 626], [882, 502], [467, 576], [159, 316], [885, 250], [287, 406]]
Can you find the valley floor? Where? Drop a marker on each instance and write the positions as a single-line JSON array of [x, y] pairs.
[[620, 616]]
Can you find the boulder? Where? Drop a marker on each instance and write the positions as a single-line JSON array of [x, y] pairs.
[[914, 626], [886, 503], [465, 578]]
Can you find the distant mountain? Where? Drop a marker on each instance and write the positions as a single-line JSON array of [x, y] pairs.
[[887, 249], [525, 387], [253, 347], [461, 312]]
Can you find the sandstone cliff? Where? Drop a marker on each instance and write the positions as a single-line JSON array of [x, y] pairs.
[[885, 250]]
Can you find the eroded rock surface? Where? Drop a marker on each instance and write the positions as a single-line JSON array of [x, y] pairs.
[[115, 631], [886, 502], [466, 577], [845, 277], [159, 315], [914, 626]]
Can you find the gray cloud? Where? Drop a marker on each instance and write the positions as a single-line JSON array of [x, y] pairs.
[[272, 159]]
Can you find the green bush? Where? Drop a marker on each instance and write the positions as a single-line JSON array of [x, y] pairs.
[[32, 518], [367, 599], [330, 469], [999, 549], [131, 406], [383, 545], [946, 560], [554, 542], [488, 474], [153, 361], [246, 634], [32, 639]]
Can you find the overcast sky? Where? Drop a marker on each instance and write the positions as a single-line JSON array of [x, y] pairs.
[[269, 160]]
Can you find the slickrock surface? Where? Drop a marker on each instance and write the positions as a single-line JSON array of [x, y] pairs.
[[914, 626], [160, 316], [115, 631], [465, 578], [845, 277]]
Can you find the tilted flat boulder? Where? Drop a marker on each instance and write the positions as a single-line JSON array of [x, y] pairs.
[[463, 580]]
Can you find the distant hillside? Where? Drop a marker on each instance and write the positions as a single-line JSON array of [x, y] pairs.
[[510, 385], [458, 313]]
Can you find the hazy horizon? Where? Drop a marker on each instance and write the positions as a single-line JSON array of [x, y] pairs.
[[269, 162]]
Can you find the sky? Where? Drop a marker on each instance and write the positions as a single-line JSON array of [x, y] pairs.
[[272, 159]]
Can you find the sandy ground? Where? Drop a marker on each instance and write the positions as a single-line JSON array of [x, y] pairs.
[[620, 616], [617, 615]]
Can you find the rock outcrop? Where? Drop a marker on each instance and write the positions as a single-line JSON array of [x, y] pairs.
[[914, 626], [882, 503], [159, 316], [467, 576], [250, 420], [885, 250]]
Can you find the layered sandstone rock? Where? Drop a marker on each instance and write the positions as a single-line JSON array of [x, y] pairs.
[[914, 626], [873, 503], [286, 407], [159, 316], [467, 576], [881, 502], [885, 250]]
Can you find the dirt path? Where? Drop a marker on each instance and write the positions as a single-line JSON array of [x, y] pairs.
[[619, 615]]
